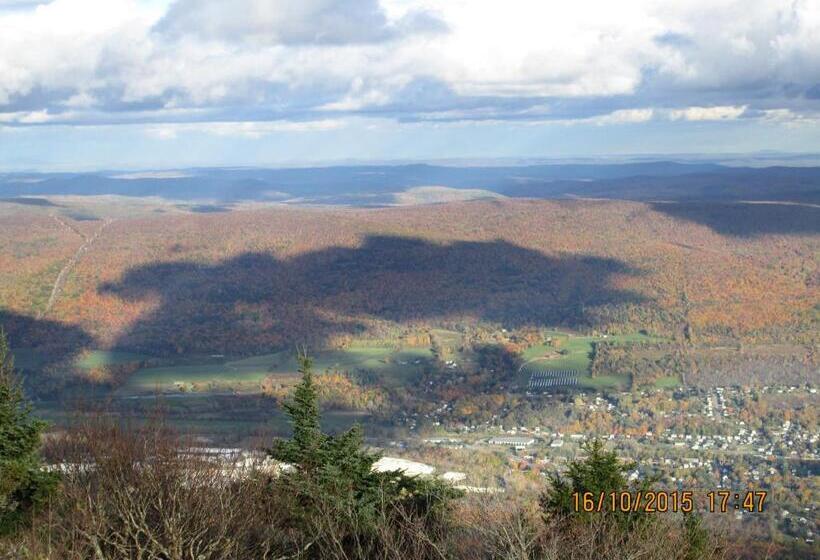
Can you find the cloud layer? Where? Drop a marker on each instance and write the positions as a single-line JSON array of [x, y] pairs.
[[93, 62]]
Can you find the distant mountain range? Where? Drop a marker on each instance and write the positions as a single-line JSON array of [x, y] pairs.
[[378, 185]]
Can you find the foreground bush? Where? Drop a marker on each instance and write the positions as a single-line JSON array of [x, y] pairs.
[[133, 492], [502, 528], [139, 493], [24, 486], [128, 493]]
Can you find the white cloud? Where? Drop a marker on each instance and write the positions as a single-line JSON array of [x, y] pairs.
[[241, 129], [288, 22], [720, 113], [791, 118], [254, 60], [81, 100], [634, 116], [544, 48], [35, 117], [625, 116], [358, 97], [67, 44], [741, 43]]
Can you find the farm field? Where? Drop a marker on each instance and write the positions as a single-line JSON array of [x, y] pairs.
[[393, 367], [389, 364], [571, 352], [101, 358], [669, 382], [221, 397]]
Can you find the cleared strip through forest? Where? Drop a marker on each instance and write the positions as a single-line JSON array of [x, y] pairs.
[[59, 282]]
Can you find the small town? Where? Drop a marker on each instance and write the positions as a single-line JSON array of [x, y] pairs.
[[719, 438]]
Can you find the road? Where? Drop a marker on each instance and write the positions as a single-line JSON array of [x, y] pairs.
[[59, 282]]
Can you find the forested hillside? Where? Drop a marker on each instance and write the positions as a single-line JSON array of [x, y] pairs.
[[171, 281]]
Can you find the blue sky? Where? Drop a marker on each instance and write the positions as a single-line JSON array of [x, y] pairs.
[[155, 84]]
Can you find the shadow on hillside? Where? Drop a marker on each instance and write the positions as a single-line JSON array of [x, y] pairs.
[[743, 219], [49, 336], [255, 302], [39, 345], [208, 208], [30, 201]]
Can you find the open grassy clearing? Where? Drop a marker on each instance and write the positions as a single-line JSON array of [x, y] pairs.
[[575, 353], [619, 382], [394, 367], [203, 377], [218, 397], [101, 358], [668, 382]]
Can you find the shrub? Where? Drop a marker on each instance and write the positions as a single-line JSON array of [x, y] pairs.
[[129, 492], [24, 485]]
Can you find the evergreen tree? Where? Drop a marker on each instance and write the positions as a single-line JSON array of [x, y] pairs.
[[314, 454], [600, 472], [697, 537], [304, 449], [333, 476], [23, 484]]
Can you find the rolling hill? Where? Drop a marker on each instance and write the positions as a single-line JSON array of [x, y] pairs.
[[381, 185]]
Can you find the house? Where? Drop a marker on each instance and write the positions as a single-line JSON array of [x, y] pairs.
[[512, 441]]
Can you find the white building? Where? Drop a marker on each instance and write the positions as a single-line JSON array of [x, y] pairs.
[[514, 442], [410, 468]]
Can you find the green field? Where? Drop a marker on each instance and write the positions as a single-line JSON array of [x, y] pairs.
[[575, 353], [100, 358], [669, 382], [218, 396], [215, 376], [32, 358], [620, 382], [395, 367]]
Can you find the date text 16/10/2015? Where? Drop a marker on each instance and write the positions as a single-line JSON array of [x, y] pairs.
[[685, 501]]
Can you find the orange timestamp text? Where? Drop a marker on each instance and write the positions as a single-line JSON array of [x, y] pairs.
[[662, 501]]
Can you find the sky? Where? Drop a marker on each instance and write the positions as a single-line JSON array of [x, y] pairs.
[[93, 84]]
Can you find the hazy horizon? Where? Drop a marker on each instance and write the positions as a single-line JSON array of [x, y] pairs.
[[761, 158]]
